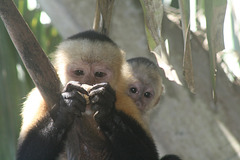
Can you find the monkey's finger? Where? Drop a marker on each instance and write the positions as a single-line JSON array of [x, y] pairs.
[[73, 95], [67, 107], [94, 99], [73, 107], [96, 91], [102, 96], [86, 97], [76, 107], [75, 85], [95, 107], [102, 116], [99, 85], [70, 85], [74, 100], [107, 87]]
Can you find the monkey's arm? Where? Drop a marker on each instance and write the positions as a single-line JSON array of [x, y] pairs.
[[46, 139], [128, 140]]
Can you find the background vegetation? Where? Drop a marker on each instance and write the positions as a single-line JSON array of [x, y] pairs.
[[15, 82]]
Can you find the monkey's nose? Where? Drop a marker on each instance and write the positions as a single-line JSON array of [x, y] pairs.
[[139, 104], [90, 80]]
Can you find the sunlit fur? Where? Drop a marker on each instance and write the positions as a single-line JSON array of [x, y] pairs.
[[76, 51], [34, 108]]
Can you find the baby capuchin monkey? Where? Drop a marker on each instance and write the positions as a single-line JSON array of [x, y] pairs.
[[94, 119], [145, 86]]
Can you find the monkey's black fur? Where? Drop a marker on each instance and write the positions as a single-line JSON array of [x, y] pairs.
[[127, 140], [170, 157], [93, 36]]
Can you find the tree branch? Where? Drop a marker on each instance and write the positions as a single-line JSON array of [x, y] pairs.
[[103, 15], [35, 60]]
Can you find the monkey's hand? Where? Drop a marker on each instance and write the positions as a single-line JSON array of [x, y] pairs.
[[72, 103], [127, 137], [102, 99], [47, 138]]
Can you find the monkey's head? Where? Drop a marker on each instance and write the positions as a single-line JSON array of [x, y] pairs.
[[145, 87], [89, 57]]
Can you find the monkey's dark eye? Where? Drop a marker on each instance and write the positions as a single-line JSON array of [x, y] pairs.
[[133, 90], [147, 94], [78, 72], [100, 74]]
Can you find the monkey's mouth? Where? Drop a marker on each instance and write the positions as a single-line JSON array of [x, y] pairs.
[[140, 106], [88, 110]]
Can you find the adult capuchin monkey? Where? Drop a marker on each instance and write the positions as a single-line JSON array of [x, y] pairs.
[[94, 121], [145, 85]]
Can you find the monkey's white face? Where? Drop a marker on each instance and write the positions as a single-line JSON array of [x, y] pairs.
[[142, 94], [89, 73]]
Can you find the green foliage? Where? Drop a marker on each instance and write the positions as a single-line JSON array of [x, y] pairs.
[[187, 58], [10, 96], [15, 82], [46, 35], [214, 14]]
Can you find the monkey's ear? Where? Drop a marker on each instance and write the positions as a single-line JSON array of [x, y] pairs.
[[163, 90], [157, 101], [159, 97], [123, 54]]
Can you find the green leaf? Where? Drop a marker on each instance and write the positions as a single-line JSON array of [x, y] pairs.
[[153, 14], [215, 13], [187, 58]]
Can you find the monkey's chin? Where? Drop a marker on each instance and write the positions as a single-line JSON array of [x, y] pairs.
[[88, 111]]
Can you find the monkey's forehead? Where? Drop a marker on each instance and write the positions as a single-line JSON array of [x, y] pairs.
[[147, 77], [91, 50], [143, 65], [142, 70]]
